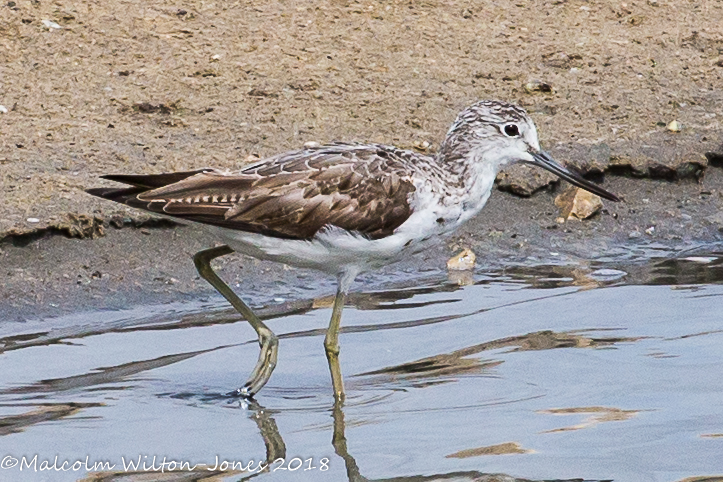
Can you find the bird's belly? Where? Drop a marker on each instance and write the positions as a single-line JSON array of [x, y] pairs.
[[334, 251]]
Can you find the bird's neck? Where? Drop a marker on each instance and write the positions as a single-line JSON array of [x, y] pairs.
[[473, 168]]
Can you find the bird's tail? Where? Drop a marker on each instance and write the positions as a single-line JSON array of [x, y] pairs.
[[140, 183], [153, 181]]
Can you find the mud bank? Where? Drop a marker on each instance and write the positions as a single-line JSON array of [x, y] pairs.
[[127, 87]]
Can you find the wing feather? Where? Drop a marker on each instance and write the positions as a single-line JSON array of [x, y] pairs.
[[358, 188]]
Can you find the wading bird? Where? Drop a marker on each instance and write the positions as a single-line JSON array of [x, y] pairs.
[[343, 208]]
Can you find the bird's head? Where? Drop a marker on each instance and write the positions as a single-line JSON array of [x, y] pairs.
[[496, 134]]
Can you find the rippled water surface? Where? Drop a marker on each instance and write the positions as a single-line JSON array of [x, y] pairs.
[[533, 371]]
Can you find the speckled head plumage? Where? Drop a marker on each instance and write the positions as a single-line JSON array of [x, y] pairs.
[[494, 111], [488, 125], [492, 134]]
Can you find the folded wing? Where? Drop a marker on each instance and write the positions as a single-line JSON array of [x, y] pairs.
[[295, 195]]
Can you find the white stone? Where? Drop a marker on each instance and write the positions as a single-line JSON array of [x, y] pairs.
[[50, 24]]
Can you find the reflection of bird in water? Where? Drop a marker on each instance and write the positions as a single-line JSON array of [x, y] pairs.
[[276, 455], [343, 208]]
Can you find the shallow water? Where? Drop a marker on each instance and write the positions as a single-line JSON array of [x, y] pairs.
[[537, 370]]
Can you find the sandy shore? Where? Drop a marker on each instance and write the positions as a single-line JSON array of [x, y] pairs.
[[104, 87]]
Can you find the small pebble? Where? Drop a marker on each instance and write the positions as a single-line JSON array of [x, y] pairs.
[[50, 24], [578, 203], [674, 126], [421, 145], [650, 230], [33, 220], [3, 109], [311, 144], [538, 86], [465, 260], [634, 234]]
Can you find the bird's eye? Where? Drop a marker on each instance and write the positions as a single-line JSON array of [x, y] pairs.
[[511, 130]]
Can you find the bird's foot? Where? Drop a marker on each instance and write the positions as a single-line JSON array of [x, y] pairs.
[[264, 367]]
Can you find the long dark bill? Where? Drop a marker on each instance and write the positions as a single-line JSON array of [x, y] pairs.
[[545, 161]]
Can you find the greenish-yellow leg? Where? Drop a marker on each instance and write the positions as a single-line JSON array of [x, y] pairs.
[[267, 340], [331, 343]]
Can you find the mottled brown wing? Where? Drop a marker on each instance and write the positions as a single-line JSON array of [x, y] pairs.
[[358, 188]]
